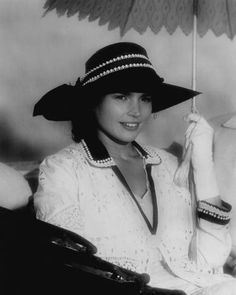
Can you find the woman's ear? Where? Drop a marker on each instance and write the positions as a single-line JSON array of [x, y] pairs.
[[154, 115]]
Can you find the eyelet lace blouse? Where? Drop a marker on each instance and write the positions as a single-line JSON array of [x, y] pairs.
[[85, 195]]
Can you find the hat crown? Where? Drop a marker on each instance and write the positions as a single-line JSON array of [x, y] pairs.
[[113, 51]]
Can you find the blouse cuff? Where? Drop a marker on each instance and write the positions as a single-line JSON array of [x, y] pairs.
[[213, 213]]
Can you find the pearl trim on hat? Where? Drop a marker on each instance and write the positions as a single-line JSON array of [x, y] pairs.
[[121, 57], [116, 69]]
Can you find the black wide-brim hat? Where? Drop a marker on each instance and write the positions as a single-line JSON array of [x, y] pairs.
[[120, 67]]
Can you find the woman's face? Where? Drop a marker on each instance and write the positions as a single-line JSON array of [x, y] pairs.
[[120, 116]]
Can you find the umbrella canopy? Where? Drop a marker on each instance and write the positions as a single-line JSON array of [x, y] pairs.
[[216, 15], [197, 16]]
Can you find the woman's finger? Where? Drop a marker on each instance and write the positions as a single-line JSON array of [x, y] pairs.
[[190, 129]]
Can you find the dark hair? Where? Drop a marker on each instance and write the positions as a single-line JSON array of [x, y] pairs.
[[84, 123]]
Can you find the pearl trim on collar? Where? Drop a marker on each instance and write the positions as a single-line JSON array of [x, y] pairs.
[[101, 163], [152, 157]]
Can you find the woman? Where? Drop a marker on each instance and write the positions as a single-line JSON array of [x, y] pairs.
[[120, 195]]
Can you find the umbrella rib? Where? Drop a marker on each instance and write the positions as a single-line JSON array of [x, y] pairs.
[[127, 16]]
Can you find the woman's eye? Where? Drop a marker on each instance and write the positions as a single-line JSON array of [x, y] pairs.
[[146, 98], [120, 96]]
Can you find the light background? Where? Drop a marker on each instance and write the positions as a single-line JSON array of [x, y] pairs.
[[39, 53]]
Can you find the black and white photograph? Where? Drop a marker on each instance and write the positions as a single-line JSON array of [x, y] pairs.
[[118, 147]]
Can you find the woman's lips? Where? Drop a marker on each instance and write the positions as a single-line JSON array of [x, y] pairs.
[[130, 125]]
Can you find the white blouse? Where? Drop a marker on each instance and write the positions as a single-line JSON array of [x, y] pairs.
[[87, 196]]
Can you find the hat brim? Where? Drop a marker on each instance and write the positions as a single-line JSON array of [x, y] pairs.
[[171, 95], [144, 80], [64, 102], [58, 104]]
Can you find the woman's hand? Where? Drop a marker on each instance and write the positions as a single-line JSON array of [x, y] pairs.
[[200, 136]]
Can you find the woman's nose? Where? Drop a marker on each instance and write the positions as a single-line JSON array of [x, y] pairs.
[[134, 109]]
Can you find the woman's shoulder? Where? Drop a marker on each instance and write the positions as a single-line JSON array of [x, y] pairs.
[[69, 152], [168, 161], [70, 155]]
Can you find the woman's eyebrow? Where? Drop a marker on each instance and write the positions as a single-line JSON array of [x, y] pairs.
[[121, 92], [146, 94]]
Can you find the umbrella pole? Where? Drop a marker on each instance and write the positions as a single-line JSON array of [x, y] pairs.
[[194, 54], [184, 173], [193, 246]]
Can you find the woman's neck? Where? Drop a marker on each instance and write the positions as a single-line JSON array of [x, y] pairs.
[[118, 150]]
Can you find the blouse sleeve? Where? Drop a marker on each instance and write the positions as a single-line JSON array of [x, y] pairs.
[[213, 237], [213, 240], [57, 200]]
